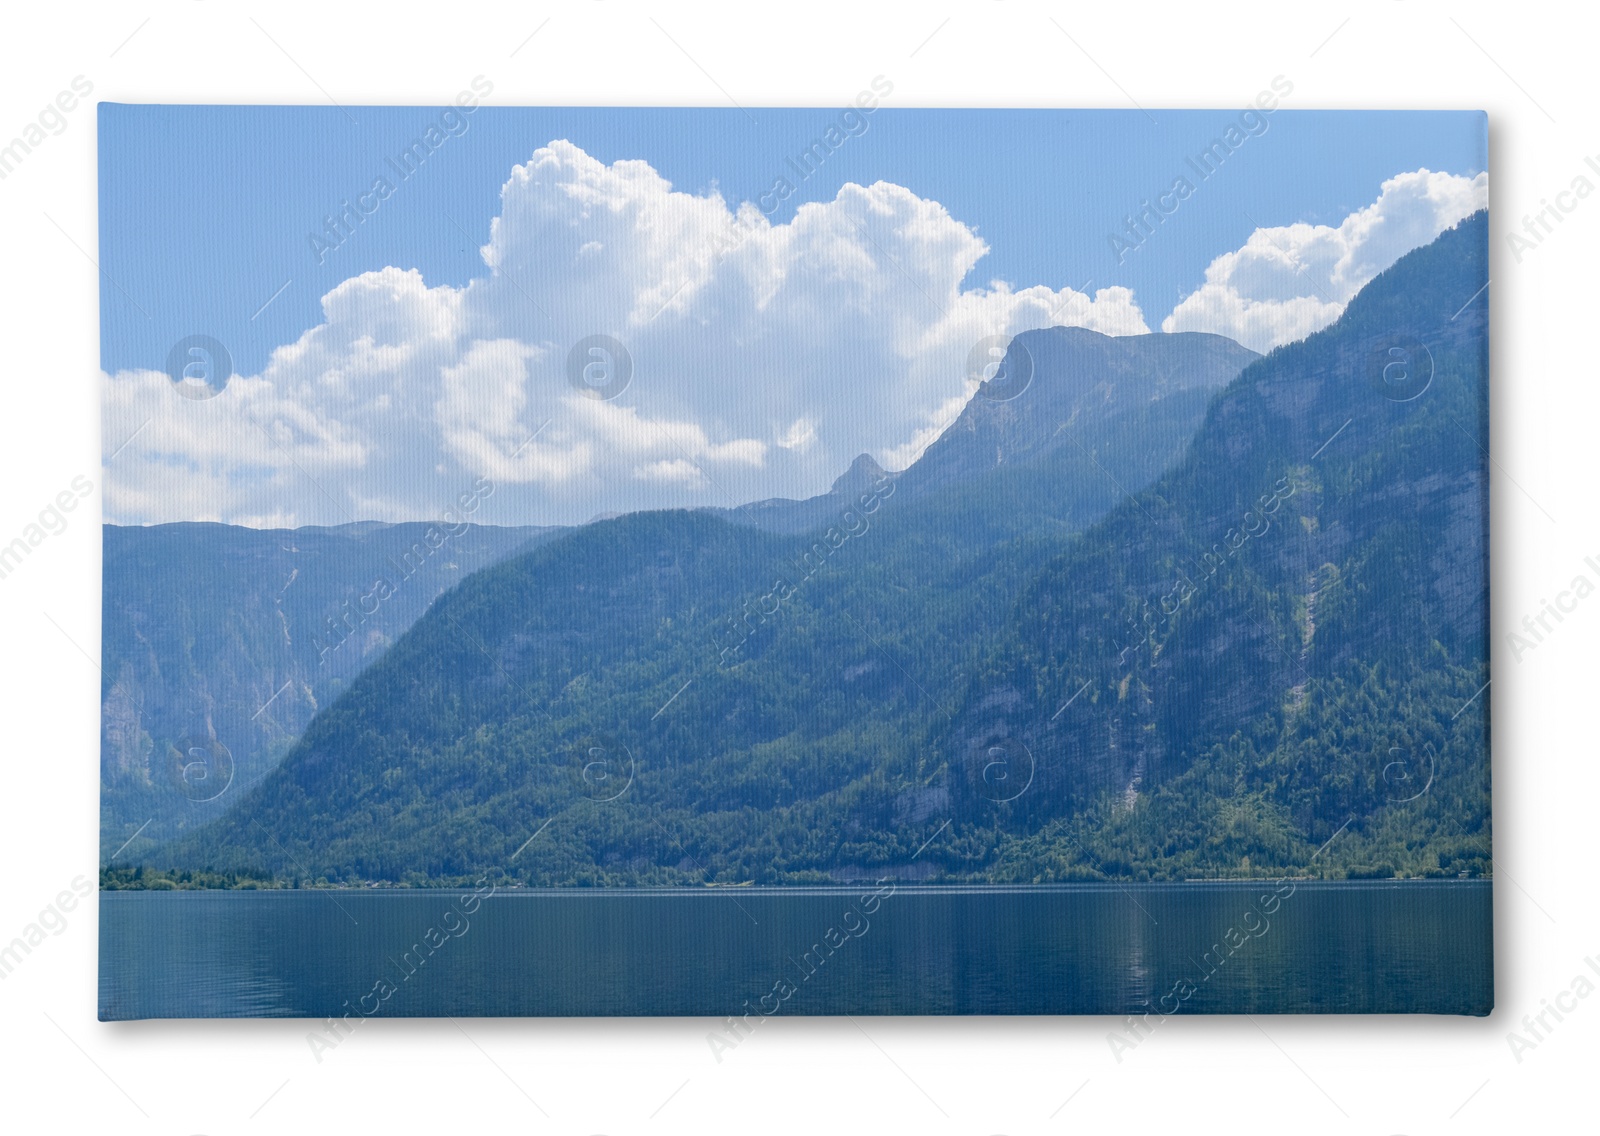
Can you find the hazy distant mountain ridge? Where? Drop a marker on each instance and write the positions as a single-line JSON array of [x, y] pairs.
[[222, 635]]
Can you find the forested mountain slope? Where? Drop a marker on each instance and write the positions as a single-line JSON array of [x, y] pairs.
[[1275, 642]]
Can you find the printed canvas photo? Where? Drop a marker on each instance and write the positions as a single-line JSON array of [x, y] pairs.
[[765, 562]]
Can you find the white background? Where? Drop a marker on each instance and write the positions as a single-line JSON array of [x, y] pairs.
[[1531, 69]]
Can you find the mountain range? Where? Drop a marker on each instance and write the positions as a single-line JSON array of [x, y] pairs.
[[1163, 609]]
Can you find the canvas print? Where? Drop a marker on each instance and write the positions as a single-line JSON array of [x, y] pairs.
[[745, 562]]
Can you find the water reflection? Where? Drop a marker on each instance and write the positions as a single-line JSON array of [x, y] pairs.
[[1365, 947]]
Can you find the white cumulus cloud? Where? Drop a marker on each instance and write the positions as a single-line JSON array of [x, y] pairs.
[[764, 358], [761, 358], [1289, 281]]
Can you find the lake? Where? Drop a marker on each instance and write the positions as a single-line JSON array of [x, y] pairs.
[[1237, 947]]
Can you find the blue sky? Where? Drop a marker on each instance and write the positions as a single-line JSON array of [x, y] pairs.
[[205, 211], [771, 337]]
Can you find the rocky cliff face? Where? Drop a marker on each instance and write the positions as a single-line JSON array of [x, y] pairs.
[[1054, 389], [1054, 380], [220, 643]]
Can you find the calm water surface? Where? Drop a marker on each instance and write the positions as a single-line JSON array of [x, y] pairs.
[[1387, 947]]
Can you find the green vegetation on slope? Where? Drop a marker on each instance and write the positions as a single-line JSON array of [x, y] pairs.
[[1249, 667]]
